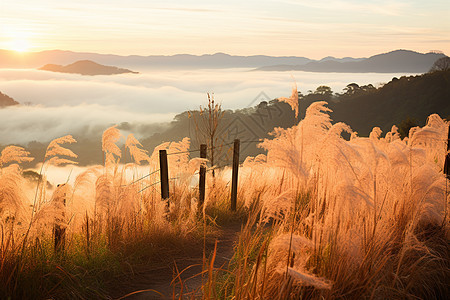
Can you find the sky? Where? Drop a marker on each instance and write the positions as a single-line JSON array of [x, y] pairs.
[[313, 29]]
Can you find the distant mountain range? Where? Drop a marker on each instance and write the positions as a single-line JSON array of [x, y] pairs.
[[391, 62], [86, 67], [395, 61], [5, 100], [11, 59]]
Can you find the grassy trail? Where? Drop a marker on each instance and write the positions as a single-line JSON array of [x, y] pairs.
[[159, 279]]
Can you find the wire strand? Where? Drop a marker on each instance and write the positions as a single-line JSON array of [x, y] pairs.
[[182, 152], [173, 178], [188, 151], [149, 186], [141, 178], [210, 148]]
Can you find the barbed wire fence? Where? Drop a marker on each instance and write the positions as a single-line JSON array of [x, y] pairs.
[[164, 171]]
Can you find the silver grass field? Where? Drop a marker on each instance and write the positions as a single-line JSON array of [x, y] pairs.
[[329, 215]]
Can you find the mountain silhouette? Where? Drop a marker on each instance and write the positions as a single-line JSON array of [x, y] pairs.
[[391, 62], [86, 67], [5, 100], [395, 61], [10, 59]]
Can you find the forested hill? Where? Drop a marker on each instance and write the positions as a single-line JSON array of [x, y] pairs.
[[413, 97]]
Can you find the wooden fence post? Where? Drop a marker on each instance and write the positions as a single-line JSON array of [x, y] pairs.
[[234, 176], [447, 156], [164, 172], [60, 231], [202, 179]]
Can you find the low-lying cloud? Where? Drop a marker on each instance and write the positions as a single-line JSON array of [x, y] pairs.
[[56, 104], [22, 124]]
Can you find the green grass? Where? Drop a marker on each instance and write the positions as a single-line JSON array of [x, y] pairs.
[[40, 273]]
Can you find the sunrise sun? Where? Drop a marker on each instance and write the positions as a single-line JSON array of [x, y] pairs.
[[17, 39], [20, 45]]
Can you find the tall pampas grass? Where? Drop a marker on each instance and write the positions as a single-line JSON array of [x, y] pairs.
[[373, 213], [54, 155], [55, 151], [13, 200], [107, 216], [112, 153], [136, 152], [14, 153], [292, 100]]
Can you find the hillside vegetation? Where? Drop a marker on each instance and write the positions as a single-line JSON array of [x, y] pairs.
[[407, 97]]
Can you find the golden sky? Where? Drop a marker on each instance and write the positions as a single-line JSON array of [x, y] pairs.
[[280, 28]]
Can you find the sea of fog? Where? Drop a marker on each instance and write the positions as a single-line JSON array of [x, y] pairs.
[[56, 104]]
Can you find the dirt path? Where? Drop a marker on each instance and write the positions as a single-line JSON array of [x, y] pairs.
[[159, 279]]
